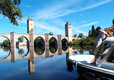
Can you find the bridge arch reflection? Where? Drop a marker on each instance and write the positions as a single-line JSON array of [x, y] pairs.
[[22, 46], [64, 44], [4, 47], [53, 45], [39, 45]]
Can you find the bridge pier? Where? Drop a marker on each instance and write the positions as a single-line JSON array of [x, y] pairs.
[[13, 46], [46, 39], [47, 50], [31, 66], [31, 39], [59, 44]]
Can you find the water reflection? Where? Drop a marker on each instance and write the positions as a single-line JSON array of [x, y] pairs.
[[64, 45], [4, 52], [39, 46], [39, 50], [31, 66], [22, 51], [44, 52], [52, 49], [53, 45]]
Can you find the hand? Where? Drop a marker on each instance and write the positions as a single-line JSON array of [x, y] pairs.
[[103, 39]]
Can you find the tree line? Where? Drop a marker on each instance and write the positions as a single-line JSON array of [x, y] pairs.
[[89, 40]]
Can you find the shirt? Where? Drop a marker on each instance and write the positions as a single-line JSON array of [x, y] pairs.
[[101, 35]]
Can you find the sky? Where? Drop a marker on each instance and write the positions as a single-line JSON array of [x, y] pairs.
[[52, 15]]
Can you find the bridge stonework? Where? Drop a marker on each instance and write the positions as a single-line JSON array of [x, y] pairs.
[[30, 37]]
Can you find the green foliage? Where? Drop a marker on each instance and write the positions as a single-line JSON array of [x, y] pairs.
[[9, 9], [50, 33], [20, 39], [21, 51], [80, 48], [75, 35], [17, 2], [64, 44], [93, 33], [39, 49], [6, 49], [52, 49], [6, 43], [80, 35], [38, 41], [83, 42]]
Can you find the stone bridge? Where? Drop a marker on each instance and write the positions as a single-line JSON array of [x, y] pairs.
[[30, 37]]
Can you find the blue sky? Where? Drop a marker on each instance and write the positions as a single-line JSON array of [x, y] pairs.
[[51, 16]]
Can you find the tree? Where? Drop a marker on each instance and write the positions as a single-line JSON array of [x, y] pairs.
[[39, 41], [11, 10], [93, 29], [93, 32], [80, 35], [75, 35], [6, 43], [20, 39], [50, 33], [21, 51]]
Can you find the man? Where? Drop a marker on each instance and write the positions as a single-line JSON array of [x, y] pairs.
[[101, 37], [110, 29]]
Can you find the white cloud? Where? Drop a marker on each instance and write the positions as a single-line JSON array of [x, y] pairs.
[[79, 30], [25, 5], [93, 6], [54, 11], [48, 27], [88, 24], [23, 21], [59, 10]]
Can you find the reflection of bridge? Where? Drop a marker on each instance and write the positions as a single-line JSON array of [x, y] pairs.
[[30, 37], [31, 56], [13, 56]]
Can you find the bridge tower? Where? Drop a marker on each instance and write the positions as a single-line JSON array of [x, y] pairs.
[[68, 31], [30, 25], [31, 39], [30, 31]]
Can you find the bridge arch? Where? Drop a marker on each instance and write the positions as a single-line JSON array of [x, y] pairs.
[[39, 45], [73, 39], [64, 44], [26, 36], [4, 47], [53, 45], [22, 47], [6, 35]]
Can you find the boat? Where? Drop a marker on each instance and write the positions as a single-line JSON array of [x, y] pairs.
[[104, 66]]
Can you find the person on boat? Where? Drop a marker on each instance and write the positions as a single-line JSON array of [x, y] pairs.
[[110, 29], [99, 42]]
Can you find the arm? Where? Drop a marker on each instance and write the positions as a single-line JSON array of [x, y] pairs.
[[106, 35]]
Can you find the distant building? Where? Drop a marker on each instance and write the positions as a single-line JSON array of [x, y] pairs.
[[22, 43]]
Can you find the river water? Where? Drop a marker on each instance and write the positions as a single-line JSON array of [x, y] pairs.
[[42, 67]]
